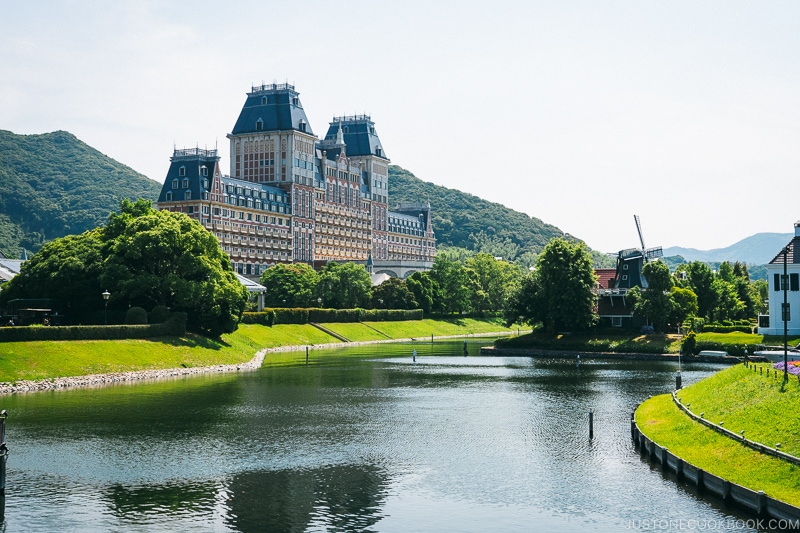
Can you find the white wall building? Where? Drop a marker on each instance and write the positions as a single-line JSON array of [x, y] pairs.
[[791, 253]]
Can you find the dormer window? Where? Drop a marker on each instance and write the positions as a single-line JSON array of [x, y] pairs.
[[188, 195], [205, 184], [296, 101], [259, 125], [302, 125], [263, 100], [204, 171], [175, 183], [186, 183], [379, 152], [169, 196], [182, 171]]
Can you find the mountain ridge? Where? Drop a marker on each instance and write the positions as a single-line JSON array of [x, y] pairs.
[[757, 249]]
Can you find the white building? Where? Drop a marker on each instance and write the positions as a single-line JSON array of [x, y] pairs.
[[773, 324]]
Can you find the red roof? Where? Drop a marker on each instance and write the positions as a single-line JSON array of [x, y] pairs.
[[605, 276]]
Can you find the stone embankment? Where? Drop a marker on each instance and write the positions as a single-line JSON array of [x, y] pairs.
[[100, 380]]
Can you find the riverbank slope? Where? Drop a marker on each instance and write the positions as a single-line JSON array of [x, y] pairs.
[[742, 399], [46, 360]]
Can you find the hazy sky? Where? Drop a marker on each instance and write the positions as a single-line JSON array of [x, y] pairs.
[[578, 113]]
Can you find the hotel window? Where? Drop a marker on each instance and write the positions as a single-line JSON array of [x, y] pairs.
[[787, 312], [186, 183], [182, 171], [188, 195], [169, 196], [259, 125], [794, 282], [204, 171], [175, 186]]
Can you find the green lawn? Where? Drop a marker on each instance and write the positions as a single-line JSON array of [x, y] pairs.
[[420, 329], [663, 422], [596, 342], [50, 359], [746, 400]]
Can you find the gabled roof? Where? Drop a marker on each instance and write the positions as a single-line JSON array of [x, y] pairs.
[[605, 276], [272, 107], [793, 255], [359, 134]]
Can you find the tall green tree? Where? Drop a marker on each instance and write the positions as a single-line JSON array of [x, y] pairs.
[[393, 294], [655, 302], [494, 277], [701, 280], [344, 286], [454, 284], [559, 293], [290, 285], [684, 304], [424, 288], [144, 258]]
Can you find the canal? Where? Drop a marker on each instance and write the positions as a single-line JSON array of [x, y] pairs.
[[363, 440]]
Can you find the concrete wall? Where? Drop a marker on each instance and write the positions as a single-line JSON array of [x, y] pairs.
[[756, 502]]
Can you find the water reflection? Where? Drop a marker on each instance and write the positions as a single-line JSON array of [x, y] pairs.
[[333, 498]]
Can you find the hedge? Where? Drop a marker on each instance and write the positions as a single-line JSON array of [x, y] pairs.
[[175, 325], [732, 349], [280, 315], [711, 328]]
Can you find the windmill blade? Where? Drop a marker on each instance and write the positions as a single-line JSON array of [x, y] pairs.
[[639, 229]]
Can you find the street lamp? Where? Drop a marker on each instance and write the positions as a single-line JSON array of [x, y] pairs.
[[785, 283], [319, 302], [106, 295]]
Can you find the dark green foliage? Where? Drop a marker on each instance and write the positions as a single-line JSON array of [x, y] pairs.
[[293, 285], [393, 294], [344, 286], [655, 302], [463, 220], [455, 286], [689, 343], [296, 316], [53, 185], [136, 315], [158, 314], [559, 292], [142, 257], [174, 326], [424, 288]]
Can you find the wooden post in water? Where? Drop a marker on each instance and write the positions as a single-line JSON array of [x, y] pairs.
[[3, 451], [306, 354], [591, 423]]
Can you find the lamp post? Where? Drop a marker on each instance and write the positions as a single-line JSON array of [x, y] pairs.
[[785, 283], [319, 302], [106, 295]]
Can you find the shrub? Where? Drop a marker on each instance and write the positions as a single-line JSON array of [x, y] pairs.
[[136, 315], [689, 343], [159, 314], [175, 325]]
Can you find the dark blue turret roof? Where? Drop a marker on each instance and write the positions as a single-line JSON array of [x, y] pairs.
[[360, 136], [189, 170], [272, 107]]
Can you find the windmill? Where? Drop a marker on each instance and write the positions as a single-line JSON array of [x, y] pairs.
[[631, 261], [647, 253]]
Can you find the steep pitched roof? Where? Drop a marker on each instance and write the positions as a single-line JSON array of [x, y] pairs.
[[272, 107], [359, 135], [793, 255]]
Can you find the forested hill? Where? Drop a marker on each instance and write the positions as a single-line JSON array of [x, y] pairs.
[[466, 221], [53, 185]]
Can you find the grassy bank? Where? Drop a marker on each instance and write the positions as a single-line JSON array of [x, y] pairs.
[[745, 400], [50, 359], [627, 342]]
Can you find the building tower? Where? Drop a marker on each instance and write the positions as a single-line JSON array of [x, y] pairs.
[[272, 142], [364, 150]]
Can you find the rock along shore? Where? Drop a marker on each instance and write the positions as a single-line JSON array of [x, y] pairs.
[[100, 380]]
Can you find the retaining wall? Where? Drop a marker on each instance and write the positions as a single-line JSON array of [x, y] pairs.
[[756, 502]]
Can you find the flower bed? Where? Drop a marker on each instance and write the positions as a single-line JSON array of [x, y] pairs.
[[794, 367]]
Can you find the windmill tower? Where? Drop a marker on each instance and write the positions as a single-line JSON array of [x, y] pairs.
[[631, 261]]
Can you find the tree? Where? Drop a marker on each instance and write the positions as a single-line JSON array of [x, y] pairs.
[[454, 283], [292, 285], [344, 286], [559, 293], [66, 269], [655, 301], [393, 294], [144, 258], [684, 304], [701, 279], [494, 277], [424, 288], [166, 258]]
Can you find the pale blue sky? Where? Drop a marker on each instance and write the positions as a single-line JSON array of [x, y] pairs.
[[578, 113]]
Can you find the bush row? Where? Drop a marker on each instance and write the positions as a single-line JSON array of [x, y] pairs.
[[732, 349], [175, 325], [281, 315], [713, 328]]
